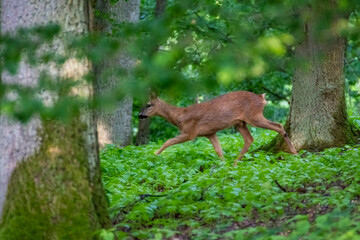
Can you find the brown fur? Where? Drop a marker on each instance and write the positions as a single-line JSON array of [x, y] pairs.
[[205, 119]]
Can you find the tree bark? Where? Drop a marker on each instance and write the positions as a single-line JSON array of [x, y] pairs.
[[160, 7], [114, 121], [50, 175], [142, 136], [318, 117]]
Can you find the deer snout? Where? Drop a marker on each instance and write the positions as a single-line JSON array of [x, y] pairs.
[[142, 116]]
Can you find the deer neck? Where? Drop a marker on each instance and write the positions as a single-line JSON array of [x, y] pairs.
[[170, 113]]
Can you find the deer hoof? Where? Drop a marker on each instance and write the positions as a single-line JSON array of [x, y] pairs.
[[294, 152]]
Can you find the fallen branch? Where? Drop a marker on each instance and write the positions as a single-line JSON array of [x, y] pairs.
[[141, 197], [278, 96], [278, 184]]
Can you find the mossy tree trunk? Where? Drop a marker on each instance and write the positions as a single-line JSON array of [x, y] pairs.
[[114, 118], [318, 117], [50, 176]]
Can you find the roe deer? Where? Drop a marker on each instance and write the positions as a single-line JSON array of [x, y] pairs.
[[205, 119]]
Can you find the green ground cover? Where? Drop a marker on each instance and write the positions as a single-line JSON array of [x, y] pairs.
[[189, 193]]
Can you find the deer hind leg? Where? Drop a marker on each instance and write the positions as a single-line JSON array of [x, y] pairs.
[[264, 123], [248, 139], [215, 142], [179, 139]]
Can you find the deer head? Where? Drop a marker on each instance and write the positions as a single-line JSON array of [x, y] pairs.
[[150, 109]]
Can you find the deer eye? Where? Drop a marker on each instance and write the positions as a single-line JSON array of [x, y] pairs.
[[149, 105]]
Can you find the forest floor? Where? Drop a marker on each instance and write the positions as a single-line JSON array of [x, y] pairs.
[[189, 193]]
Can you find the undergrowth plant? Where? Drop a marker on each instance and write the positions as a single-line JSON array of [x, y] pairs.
[[189, 193]]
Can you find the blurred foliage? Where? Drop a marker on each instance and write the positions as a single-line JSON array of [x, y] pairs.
[[24, 45], [189, 193], [53, 96], [206, 48], [208, 45]]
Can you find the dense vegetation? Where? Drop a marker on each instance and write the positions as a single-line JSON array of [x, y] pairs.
[[188, 192]]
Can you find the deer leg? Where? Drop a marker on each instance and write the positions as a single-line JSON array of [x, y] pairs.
[[179, 139], [248, 139], [215, 142], [264, 123]]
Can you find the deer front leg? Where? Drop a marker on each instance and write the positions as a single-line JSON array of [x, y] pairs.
[[179, 139], [216, 144]]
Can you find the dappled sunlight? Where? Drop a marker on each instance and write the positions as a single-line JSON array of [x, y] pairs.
[[75, 68], [105, 136]]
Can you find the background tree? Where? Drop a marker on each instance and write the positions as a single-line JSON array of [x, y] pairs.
[[318, 118], [114, 116], [142, 135], [48, 168]]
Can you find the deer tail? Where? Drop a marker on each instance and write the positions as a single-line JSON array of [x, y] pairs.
[[263, 97]]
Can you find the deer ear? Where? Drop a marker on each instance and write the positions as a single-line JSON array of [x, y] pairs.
[[153, 94]]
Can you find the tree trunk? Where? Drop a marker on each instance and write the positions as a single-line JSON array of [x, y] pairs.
[[114, 121], [318, 117], [50, 176], [160, 7], [142, 136]]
